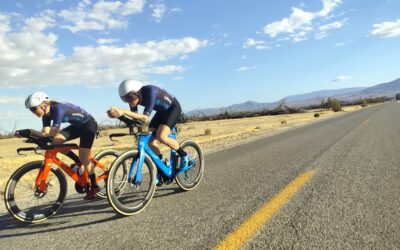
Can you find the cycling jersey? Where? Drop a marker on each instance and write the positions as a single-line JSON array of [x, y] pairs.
[[66, 112], [154, 98]]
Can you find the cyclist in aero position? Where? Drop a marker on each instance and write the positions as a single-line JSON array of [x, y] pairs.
[[168, 111], [83, 126]]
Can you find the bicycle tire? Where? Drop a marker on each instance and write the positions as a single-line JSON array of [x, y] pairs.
[[190, 179], [99, 172], [34, 216], [118, 198]]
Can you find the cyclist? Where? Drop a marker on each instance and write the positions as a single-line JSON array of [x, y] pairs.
[[83, 126], [168, 110]]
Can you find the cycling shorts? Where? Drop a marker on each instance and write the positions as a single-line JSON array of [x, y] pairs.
[[86, 132]]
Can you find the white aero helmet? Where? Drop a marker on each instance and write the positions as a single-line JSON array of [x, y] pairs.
[[36, 99], [127, 87]]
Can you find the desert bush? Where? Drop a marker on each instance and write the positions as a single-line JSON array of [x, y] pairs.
[[283, 122], [207, 131], [334, 104], [317, 115], [364, 103]]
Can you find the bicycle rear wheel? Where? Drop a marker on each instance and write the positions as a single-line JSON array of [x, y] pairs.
[[25, 202], [127, 197], [190, 179], [106, 158]]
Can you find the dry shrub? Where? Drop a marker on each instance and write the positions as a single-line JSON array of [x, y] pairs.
[[207, 131], [284, 122]]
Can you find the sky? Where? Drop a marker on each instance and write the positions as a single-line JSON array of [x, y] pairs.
[[207, 53]]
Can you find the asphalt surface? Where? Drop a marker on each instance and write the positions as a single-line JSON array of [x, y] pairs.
[[352, 201]]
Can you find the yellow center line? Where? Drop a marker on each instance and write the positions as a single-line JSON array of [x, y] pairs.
[[247, 229]]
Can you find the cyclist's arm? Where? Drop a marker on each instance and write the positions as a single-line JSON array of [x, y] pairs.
[[46, 132], [135, 115], [116, 112]]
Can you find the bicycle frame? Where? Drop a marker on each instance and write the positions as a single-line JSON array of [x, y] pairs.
[[143, 148], [51, 159]]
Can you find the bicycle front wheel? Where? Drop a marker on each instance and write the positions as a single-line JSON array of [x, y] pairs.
[[126, 196], [105, 158], [25, 202], [191, 178]]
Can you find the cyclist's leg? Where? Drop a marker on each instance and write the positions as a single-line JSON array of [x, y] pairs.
[[167, 120], [153, 143], [162, 135], [87, 134], [153, 126], [65, 135]]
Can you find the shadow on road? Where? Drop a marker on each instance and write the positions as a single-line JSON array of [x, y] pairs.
[[74, 207], [74, 210]]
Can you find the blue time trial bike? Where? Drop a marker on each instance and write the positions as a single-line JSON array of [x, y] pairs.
[[146, 170]]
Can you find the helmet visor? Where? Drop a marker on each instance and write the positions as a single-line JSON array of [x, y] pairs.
[[33, 109], [129, 97]]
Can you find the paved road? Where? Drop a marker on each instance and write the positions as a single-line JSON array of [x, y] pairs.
[[352, 201]]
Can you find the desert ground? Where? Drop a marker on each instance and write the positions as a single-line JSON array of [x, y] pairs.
[[212, 136]]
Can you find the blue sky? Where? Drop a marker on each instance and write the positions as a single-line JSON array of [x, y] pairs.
[[207, 53]]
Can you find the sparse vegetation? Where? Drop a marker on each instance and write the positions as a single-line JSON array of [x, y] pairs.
[[317, 115], [364, 103], [284, 122], [334, 104], [207, 131]]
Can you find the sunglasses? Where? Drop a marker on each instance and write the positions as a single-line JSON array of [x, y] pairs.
[[129, 97], [33, 109]]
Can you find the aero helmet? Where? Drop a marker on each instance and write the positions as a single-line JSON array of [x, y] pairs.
[[127, 87], [36, 99]]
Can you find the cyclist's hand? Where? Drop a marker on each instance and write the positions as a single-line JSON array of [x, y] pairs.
[[114, 112], [23, 133], [16, 134]]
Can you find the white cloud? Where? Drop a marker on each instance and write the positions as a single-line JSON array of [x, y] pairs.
[[103, 41], [297, 19], [30, 57], [334, 25], [246, 68], [250, 42], [159, 10], [386, 29], [323, 30], [299, 23], [163, 69], [101, 15], [11, 100], [176, 9], [342, 78], [320, 35]]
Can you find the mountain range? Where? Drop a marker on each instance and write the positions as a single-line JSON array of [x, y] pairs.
[[389, 89]]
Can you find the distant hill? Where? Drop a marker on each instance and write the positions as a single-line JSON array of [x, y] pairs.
[[389, 89]]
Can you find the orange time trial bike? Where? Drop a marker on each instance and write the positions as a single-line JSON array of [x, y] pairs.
[[38, 189]]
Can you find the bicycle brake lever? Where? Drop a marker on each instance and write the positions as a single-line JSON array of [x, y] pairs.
[[36, 152], [19, 152]]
